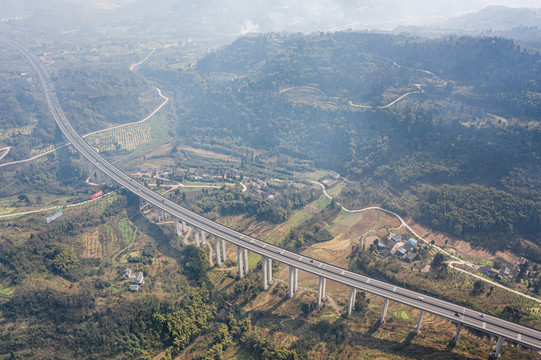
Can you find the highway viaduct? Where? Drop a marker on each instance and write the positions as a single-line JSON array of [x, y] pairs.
[[105, 173]]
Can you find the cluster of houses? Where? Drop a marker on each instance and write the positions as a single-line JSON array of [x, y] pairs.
[[499, 274], [397, 244], [136, 280], [261, 188]]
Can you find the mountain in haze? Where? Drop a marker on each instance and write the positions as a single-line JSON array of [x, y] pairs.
[[523, 25], [497, 18], [260, 16]]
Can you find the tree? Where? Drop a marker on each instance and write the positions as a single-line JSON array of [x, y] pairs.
[[478, 288], [438, 260], [64, 259]]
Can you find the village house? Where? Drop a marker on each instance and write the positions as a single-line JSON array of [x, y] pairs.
[[138, 279]]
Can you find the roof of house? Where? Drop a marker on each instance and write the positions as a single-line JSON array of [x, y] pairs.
[[410, 257], [384, 253], [139, 278], [402, 250], [396, 238], [134, 287], [408, 246]]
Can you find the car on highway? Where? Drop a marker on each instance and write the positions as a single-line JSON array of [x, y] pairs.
[[481, 315], [457, 314], [421, 298]]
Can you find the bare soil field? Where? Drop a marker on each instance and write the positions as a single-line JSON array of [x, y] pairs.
[[92, 248], [207, 153]]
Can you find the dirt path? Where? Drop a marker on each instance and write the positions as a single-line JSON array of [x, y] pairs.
[[6, 151], [51, 208], [132, 66]]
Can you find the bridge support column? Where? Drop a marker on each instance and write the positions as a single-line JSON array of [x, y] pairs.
[[351, 303], [269, 271], [246, 268], [264, 275], [416, 331], [177, 227], [321, 290], [384, 311], [240, 256], [184, 227], [292, 286], [224, 255], [455, 339], [196, 236], [217, 251], [203, 238], [499, 345]]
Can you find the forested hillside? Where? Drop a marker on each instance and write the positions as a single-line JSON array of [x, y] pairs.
[[471, 117]]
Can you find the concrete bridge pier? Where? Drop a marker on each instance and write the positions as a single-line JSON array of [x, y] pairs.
[[177, 227], [240, 256], [217, 251], [321, 290], [264, 275], [351, 303], [499, 345], [293, 281], [184, 227], [416, 331], [203, 238], [269, 271], [246, 268], [384, 311], [455, 339], [224, 255], [196, 236]]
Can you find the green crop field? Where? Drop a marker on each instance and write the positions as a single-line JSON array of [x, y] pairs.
[[130, 137]]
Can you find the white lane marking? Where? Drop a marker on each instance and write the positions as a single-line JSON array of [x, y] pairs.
[[300, 257], [320, 265], [519, 336], [367, 281], [343, 271], [282, 252], [484, 325], [394, 288], [251, 242], [464, 311], [242, 237], [263, 245]]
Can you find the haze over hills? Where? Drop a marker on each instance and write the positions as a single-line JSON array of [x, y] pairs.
[[520, 24], [244, 16], [496, 18]]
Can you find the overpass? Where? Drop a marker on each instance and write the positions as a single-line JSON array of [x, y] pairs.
[[104, 172]]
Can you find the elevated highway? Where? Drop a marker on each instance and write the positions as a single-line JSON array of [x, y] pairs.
[[101, 168]]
